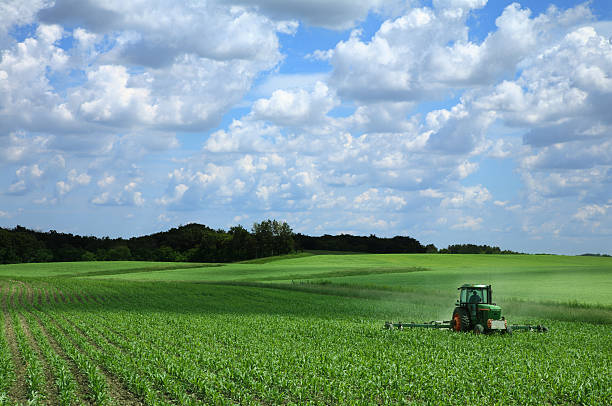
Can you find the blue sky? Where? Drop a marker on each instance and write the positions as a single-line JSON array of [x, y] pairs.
[[452, 121]]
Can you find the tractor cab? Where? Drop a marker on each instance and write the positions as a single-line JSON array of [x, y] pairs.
[[475, 310], [473, 294]]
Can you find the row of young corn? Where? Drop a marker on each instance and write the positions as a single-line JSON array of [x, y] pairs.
[[46, 346], [34, 374], [189, 350], [230, 345], [7, 374]]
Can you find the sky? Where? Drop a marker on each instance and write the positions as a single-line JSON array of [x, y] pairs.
[[450, 121]]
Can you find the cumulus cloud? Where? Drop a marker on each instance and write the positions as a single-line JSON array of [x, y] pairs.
[[467, 196], [373, 199], [118, 73], [85, 13], [18, 12], [560, 96], [115, 195], [339, 14], [382, 117], [148, 35], [591, 211], [73, 180], [297, 107], [427, 51], [19, 147], [468, 223], [36, 106], [124, 99], [108, 99]]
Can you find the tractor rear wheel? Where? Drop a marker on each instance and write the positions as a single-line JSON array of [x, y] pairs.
[[461, 319]]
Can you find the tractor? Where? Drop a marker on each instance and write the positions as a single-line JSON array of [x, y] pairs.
[[474, 311]]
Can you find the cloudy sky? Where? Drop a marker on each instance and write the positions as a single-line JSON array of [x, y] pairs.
[[450, 121]]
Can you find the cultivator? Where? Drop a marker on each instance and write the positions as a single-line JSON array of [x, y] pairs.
[[447, 325], [475, 312]]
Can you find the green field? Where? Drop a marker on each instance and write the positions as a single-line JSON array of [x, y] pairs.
[[303, 329]]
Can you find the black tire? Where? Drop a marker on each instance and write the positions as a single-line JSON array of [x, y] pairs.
[[461, 315], [508, 331], [478, 329]]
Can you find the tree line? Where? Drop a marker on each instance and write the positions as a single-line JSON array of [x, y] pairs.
[[199, 243], [188, 243], [371, 244], [474, 249]]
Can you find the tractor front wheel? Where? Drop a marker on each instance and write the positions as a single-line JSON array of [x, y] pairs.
[[461, 319]]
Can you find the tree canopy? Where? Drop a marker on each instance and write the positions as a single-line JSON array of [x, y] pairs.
[[199, 243]]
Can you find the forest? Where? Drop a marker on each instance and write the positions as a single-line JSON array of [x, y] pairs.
[[199, 243], [187, 243]]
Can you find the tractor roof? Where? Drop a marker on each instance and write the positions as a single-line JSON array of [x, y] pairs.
[[470, 285]]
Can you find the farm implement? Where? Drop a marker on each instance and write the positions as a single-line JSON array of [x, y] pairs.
[[474, 311]]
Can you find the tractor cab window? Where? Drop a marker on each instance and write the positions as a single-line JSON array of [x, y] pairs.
[[474, 296]]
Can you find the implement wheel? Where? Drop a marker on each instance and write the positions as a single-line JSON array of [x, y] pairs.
[[478, 329], [461, 319]]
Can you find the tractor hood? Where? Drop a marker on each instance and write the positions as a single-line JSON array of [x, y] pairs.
[[494, 311]]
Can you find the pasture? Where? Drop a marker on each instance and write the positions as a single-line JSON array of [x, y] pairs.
[[302, 329]]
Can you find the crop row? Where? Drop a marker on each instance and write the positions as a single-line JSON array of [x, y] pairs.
[[273, 359], [201, 344], [7, 374], [65, 382], [34, 375], [33, 348]]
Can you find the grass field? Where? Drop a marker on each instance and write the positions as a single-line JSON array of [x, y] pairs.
[[302, 329]]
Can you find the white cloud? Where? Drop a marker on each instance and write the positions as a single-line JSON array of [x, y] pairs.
[[432, 193], [74, 179], [427, 52], [466, 168], [299, 107], [468, 223], [106, 180], [244, 136], [115, 195], [388, 117], [18, 12], [591, 211], [339, 14], [130, 68], [147, 32], [560, 97], [179, 191], [373, 200], [467, 196], [406, 121], [108, 99], [35, 106]]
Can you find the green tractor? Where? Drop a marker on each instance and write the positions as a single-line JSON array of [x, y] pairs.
[[474, 311]]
